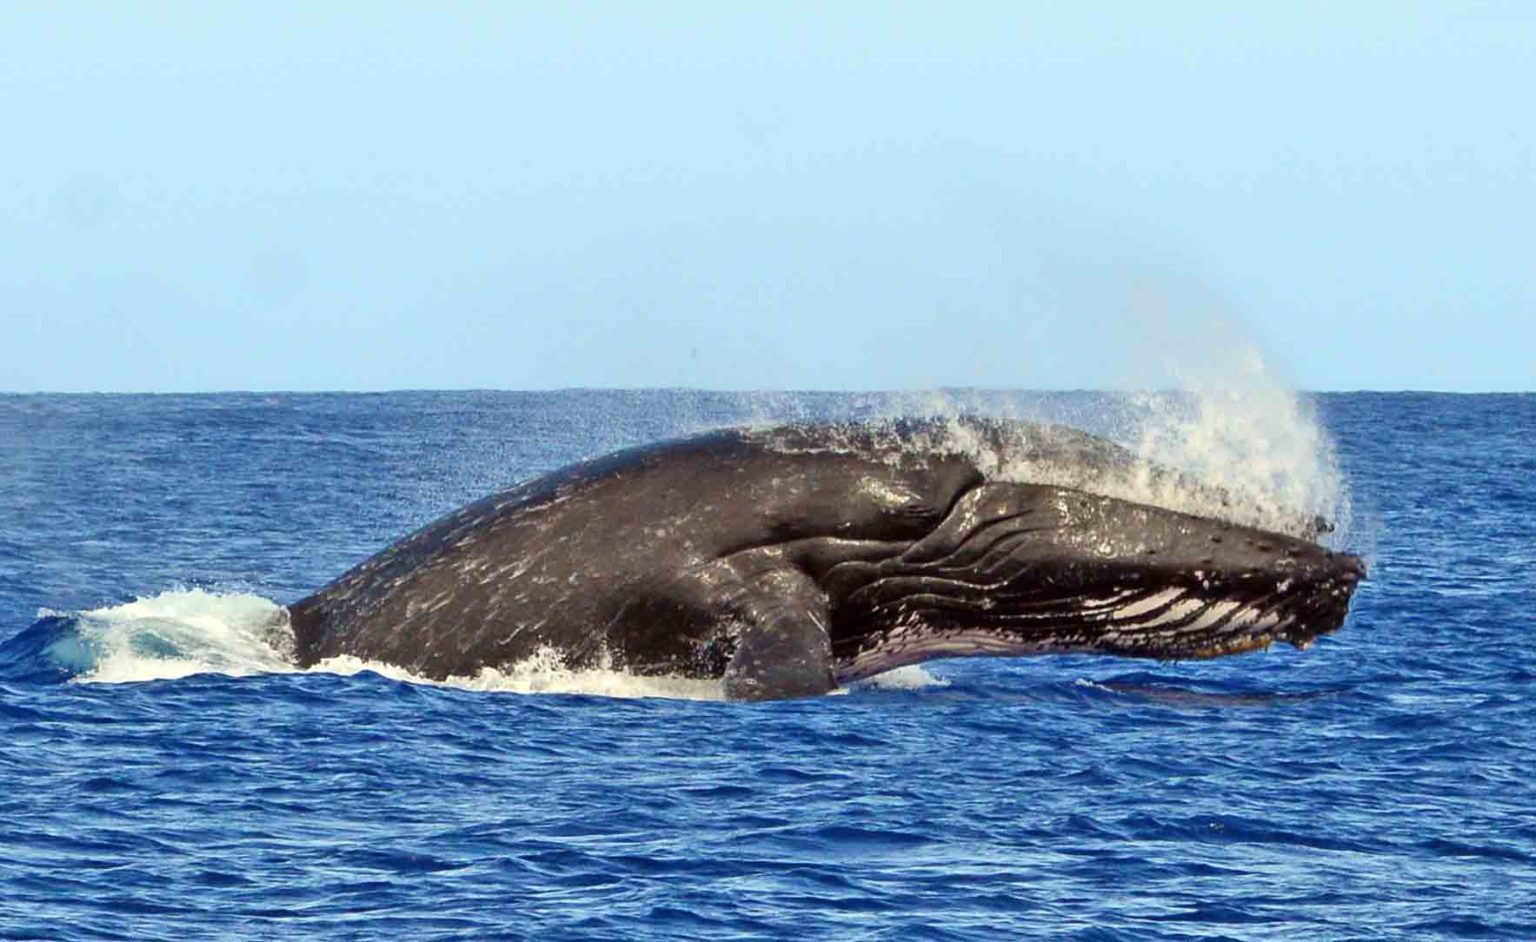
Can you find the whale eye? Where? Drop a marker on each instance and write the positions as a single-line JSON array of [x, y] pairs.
[[919, 510]]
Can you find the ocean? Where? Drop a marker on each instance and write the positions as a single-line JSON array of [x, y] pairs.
[[166, 773]]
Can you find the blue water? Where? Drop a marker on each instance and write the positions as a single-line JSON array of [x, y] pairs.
[[1378, 786]]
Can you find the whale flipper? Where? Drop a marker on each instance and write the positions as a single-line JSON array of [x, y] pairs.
[[782, 646]]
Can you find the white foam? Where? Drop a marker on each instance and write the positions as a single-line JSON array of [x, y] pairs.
[[542, 673], [183, 632], [910, 677], [1094, 685]]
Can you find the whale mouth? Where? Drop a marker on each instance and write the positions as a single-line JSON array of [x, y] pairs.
[[1164, 624], [1021, 570], [1187, 624]]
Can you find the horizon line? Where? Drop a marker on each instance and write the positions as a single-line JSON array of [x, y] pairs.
[[555, 390]]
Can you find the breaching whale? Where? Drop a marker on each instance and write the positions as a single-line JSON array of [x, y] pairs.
[[786, 561]]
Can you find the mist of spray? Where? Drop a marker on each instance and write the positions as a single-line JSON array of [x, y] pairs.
[[1198, 398], [1226, 416], [1250, 434]]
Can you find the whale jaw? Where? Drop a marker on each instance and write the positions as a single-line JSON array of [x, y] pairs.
[[1167, 625], [1020, 570]]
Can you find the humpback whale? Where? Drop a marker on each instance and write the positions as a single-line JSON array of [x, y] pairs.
[[786, 561]]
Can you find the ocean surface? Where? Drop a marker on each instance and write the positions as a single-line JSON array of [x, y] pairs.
[[165, 773]]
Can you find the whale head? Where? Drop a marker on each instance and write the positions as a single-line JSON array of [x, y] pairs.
[[1016, 569]]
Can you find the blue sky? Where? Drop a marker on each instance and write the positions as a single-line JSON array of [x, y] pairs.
[[774, 195]]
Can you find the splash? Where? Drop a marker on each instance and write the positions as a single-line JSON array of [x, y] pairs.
[[1218, 433], [543, 673], [176, 634], [910, 677], [182, 632], [1255, 437], [1224, 417]]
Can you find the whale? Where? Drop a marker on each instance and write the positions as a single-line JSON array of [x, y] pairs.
[[789, 561]]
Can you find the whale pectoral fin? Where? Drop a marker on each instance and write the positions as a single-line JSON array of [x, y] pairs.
[[782, 646]]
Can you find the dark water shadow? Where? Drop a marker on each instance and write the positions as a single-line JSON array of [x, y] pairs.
[[1220, 699]]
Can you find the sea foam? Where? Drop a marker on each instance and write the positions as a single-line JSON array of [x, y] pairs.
[[182, 632]]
